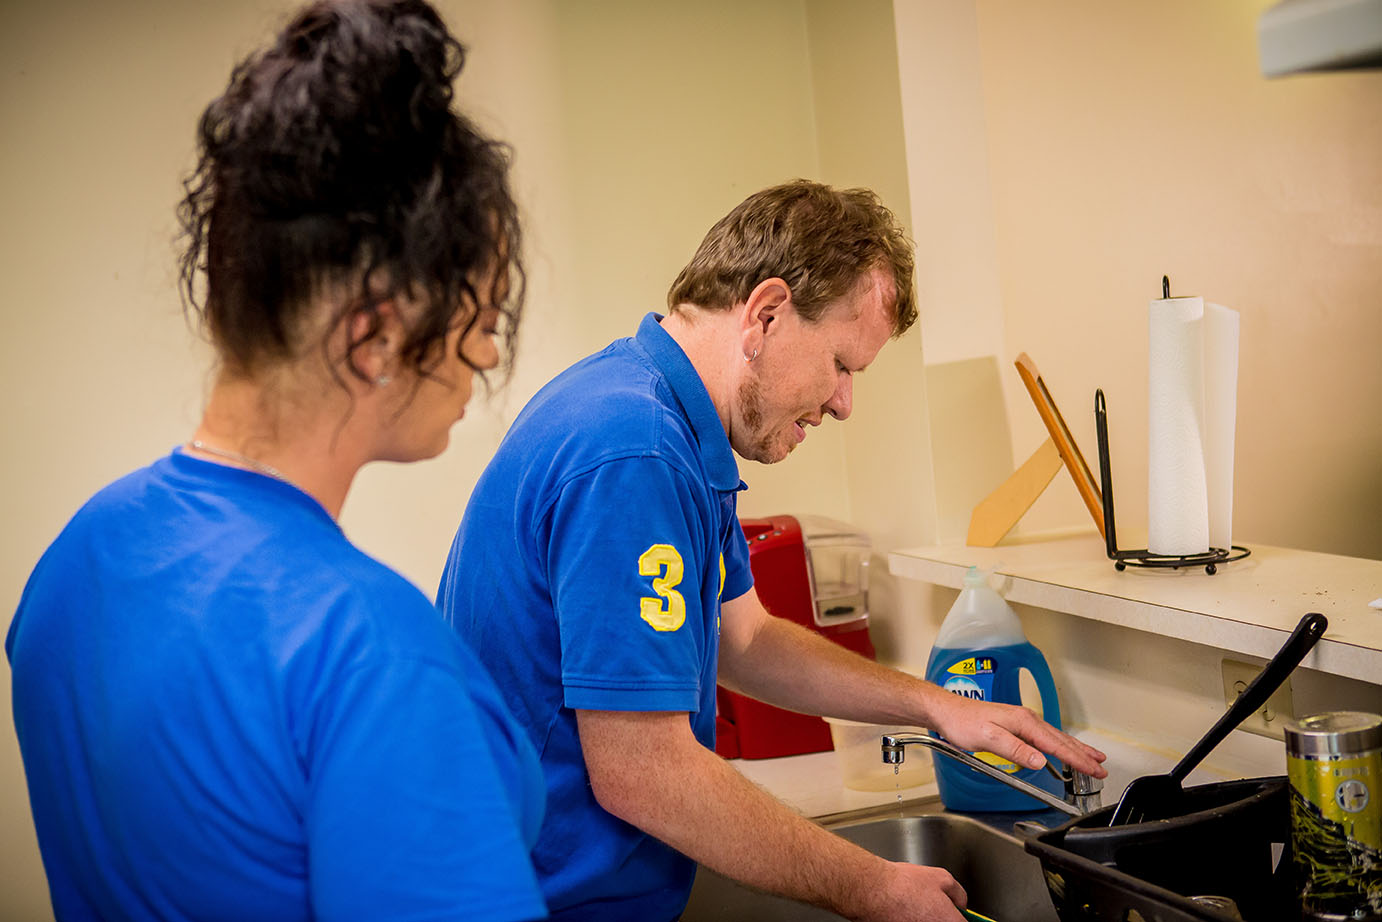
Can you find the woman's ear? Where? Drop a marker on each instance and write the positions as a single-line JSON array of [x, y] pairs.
[[374, 338]]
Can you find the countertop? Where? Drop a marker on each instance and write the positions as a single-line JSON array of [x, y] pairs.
[[813, 784], [1248, 606]]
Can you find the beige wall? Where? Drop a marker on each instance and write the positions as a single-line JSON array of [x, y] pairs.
[[1061, 157], [1098, 146], [1113, 166]]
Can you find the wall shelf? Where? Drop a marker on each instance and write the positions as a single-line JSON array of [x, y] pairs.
[[1249, 606]]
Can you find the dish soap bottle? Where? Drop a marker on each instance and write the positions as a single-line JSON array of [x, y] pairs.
[[980, 653]]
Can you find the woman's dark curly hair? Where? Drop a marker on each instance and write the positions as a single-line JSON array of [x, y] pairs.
[[334, 156]]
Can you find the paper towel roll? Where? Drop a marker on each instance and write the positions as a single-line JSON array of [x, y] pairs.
[[1177, 495], [1220, 413], [1192, 401]]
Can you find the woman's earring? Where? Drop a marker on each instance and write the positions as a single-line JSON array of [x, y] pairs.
[[383, 381]]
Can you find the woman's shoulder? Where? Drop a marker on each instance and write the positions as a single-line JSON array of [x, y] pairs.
[[367, 612]]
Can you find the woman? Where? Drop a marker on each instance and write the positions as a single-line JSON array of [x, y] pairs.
[[226, 711]]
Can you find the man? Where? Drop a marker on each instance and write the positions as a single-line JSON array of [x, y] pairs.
[[600, 572]]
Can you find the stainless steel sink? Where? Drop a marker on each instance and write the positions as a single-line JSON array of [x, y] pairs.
[[1002, 880]]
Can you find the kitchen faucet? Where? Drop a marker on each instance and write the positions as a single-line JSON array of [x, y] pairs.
[[1082, 792]]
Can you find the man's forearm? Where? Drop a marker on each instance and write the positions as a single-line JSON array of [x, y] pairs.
[[788, 666], [671, 787]]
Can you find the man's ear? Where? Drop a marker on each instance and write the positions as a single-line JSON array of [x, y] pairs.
[[769, 302]]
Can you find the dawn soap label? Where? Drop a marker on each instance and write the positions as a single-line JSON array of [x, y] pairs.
[[972, 677]]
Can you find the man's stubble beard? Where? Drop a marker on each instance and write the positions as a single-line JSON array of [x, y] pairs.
[[760, 449]]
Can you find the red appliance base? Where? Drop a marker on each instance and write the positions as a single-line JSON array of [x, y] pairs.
[[749, 729]]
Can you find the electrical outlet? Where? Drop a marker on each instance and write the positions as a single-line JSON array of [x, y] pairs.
[[1269, 719]]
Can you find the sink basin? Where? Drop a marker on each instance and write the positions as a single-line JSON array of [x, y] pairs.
[[1002, 880]]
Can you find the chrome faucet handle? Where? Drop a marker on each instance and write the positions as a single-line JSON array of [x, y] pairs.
[[1084, 792], [1081, 790]]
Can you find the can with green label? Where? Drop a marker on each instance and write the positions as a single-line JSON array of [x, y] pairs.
[[1334, 766]]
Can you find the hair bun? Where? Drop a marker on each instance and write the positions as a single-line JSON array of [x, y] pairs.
[[352, 99], [335, 154]]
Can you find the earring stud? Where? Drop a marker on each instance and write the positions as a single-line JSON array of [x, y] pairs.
[[383, 381]]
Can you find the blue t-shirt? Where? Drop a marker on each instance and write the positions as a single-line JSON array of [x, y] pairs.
[[228, 712], [587, 574]]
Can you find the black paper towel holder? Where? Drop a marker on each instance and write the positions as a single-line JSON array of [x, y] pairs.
[[1142, 557]]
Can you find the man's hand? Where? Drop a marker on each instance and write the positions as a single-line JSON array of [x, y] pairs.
[[913, 892], [1010, 731], [782, 663]]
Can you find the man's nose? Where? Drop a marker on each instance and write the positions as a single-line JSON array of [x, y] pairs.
[[841, 403]]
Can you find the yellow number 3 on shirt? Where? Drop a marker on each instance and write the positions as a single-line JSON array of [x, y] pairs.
[[667, 612]]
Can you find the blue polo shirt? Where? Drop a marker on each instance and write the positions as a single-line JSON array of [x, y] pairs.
[[587, 574], [228, 712]]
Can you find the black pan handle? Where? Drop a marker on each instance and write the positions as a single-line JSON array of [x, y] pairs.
[[1302, 639]]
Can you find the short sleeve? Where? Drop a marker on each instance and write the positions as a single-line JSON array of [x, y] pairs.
[[633, 568], [410, 807], [738, 575]]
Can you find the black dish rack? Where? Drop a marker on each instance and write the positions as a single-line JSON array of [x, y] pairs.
[[1230, 839]]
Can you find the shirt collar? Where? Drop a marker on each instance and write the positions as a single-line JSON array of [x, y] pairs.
[[695, 401]]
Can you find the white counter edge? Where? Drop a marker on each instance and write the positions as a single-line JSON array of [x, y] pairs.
[[1345, 659]]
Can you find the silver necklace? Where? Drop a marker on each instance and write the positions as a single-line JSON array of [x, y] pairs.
[[260, 466]]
